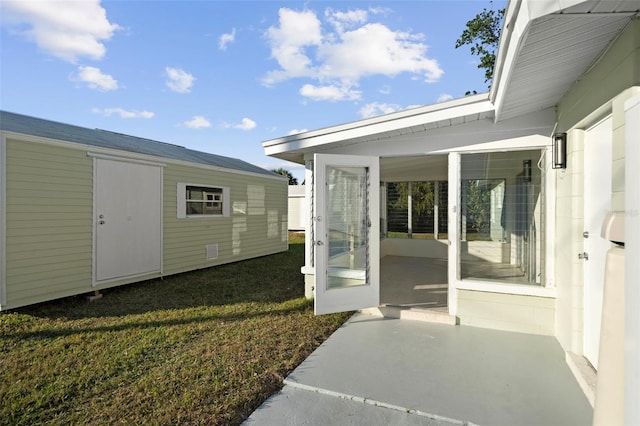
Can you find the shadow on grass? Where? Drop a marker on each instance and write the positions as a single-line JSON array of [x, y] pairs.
[[265, 280], [51, 333]]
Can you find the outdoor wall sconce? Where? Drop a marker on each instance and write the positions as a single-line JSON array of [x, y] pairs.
[[526, 165], [559, 151]]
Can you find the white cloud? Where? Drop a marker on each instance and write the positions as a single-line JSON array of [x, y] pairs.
[[67, 30], [375, 49], [342, 20], [375, 108], [340, 56], [123, 113], [179, 80], [197, 122], [245, 124], [296, 131], [297, 30], [226, 39], [95, 79], [445, 97], [329, 93]]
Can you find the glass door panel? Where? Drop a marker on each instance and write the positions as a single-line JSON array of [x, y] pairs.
[[348, 226]]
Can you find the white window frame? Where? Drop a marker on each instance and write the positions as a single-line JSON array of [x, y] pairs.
[[181, 200], [548, 290]]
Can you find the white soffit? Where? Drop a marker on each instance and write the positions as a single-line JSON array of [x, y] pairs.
[[545, 50], [421, 119]]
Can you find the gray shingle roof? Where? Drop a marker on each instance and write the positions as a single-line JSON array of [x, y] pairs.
[[17, 123]]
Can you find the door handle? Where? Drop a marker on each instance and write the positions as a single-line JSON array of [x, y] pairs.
[[101, 222], [319, 243], [585, 234], [584, 256]]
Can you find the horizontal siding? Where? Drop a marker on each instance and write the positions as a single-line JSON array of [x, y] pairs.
[[242, 235], [616, 71], [509, 312], [49, 222]]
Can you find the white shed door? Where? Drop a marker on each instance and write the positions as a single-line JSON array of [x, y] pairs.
[[128, 219], [347, 232], [597, 203]]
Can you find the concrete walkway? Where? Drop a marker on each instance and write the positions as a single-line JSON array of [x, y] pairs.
[[376, 371]]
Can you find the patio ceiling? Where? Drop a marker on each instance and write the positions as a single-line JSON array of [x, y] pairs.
[[544, 51]]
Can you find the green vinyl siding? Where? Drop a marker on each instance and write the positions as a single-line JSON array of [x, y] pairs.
[[241, 235], [48, 222], [616, 71]]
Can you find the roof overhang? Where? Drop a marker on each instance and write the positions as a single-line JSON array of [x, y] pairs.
[[546, 46], [414, 120]]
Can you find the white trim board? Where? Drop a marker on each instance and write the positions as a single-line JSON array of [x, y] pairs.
[[3, 220]]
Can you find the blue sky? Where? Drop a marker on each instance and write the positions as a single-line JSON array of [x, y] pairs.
[[223, 76]]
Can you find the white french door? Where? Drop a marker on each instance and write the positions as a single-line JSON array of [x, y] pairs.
[[128, 219], [347, 232]]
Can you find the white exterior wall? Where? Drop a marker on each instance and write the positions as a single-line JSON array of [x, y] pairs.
[[298, 215], [596, 95], [632, 269]]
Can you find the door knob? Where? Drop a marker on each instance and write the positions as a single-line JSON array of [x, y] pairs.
[[584, 256], [319, 243], [585, 234]]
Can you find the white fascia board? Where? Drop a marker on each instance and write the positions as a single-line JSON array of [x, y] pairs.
[[379, 125], [518, 18]]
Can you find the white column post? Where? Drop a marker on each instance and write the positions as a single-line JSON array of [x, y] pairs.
[[409, 211], [454, 248], [632, 268], [436, 203]]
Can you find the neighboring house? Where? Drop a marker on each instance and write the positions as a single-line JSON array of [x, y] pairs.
[[514, 229], [297, 211], [82, 210]]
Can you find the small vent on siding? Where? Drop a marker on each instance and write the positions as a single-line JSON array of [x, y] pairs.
[[212, 251]]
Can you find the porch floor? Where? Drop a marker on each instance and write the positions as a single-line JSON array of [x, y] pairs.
[[387, 371], [417, 282], [421, 282]]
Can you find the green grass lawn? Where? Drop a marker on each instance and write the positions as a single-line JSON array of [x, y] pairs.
[[205, 347]]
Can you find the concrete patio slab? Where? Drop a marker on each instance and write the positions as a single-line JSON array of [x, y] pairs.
[[293, 406], [433, 372]]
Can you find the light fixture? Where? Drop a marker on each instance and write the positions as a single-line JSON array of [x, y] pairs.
[[526, 165], [559, 151]]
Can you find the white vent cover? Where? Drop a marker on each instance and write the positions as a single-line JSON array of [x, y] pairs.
[[212, 251]]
